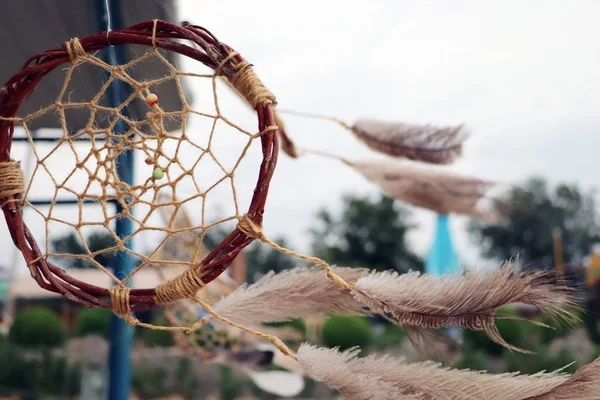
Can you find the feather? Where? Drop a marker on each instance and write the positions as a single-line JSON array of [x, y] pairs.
[[427, 380], [436, 190], [290, 294], [468, 300], [582, 385], [332, 367], [436, 145]]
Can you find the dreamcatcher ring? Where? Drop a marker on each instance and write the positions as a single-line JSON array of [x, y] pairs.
[[157, 34]]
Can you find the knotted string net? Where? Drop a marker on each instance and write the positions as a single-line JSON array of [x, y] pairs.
[[195, 155]]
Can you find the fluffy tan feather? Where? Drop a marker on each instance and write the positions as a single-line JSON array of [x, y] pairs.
[[290, 294], [383, 377], [468, 300], [437, 145]]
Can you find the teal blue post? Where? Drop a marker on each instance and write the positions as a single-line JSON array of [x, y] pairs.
[[442, 257], [121, 334]]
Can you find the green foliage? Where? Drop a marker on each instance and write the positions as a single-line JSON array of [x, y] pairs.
[[231, 388], [529, 214], [93, 321], [71, 243], [473, 359], [37, 376], [157, 338], [543, 360], [149, 382], [346, 332], [37, 326], [368, 233], [589, 321], [392, 335], [187, 384], [559, 328], [297, 323]]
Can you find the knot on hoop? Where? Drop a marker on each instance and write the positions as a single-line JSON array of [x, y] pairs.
[[184, 286], [75, 49], [250, 229], [12, 182], [120, 302]]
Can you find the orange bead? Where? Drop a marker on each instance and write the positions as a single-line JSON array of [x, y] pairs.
[[151, 99]]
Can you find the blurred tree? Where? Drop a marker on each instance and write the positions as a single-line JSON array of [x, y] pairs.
[[369, 233], [70, 243], [529, 213]]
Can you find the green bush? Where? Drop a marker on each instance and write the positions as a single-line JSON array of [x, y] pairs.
[[559, 328], [48, 376], [156, 338], [37, 326], [543, 360], [149, 382], [346, 332], [231, 388], [297, 323], [391, 336], [93, 321], [518, 333]]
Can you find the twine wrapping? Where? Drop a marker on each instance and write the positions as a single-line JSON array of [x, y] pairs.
[[75, 49], [120, 301], [184, 286], [12, 181], [247, 83]]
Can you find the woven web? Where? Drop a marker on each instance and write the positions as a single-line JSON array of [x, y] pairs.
[[184, 166], [192, 157]]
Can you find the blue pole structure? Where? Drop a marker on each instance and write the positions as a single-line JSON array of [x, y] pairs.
[[121, 334], [442, 258]]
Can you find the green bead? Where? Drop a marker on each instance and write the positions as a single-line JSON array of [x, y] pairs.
[[158, 173]]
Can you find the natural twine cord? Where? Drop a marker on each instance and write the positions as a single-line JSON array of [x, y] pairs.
[[12, 181], [75, 49], [184, 286], [247, 83], [119, 295], [250, 229]]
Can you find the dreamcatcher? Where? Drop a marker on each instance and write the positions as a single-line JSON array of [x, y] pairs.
[[175, 164]]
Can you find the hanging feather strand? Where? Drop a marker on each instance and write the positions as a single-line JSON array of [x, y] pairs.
[[427, 143], [384, 377], [290, 294], [470, 300], [432, 189]]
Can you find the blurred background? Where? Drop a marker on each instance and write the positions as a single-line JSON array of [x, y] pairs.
[[522, 76]]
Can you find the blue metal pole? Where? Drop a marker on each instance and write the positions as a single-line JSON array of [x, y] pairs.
[[442, 258], [121, 334]]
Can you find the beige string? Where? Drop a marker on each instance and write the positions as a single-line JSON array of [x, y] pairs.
[[120, 301], [271, 338], [250, 229], [12, 182], [184, 286], [75, 49], [154, 34]]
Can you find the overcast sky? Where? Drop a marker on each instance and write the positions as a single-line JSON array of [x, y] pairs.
[[523, 76]]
